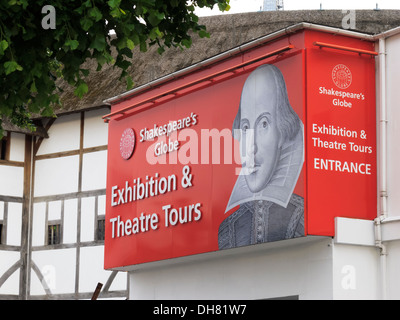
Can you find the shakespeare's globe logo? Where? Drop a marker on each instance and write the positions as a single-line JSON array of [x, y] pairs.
[[127, 143], [341, 76]]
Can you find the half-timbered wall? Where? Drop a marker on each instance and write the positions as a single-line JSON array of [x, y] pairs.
[[11, 203], [52, 207]]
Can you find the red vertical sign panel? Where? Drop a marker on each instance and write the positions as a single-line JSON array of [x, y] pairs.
[[341, 135]]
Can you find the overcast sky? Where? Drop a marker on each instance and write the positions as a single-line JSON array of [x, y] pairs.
[[255, 5]]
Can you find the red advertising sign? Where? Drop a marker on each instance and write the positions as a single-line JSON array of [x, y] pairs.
[[341, 136], [267, 146]]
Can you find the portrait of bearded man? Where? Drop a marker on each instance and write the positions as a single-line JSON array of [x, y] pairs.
[[271, 140]]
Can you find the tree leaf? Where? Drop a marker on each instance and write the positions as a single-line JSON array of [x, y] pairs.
[[95, 14], [130, 44], [85, 72], [99, 42], [115, 13], [129, 82], [86, 23], [123, 64], [155, 17], [81, 89], [73, 44], [160, 50], [11, 66], [3, 46], [114, 3], [154, 33], [204, 34], [33, 88], [187, 42]]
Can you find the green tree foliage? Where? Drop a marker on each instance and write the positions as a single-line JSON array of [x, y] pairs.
[[32, 57]]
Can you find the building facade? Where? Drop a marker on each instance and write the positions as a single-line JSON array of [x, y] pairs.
[[52, 212], [357, 259]]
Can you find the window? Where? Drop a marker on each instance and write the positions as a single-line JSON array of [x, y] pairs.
[[100, 228], [53, 234], [4, 148]]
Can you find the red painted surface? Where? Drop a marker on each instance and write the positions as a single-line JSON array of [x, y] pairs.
[[150, 230]]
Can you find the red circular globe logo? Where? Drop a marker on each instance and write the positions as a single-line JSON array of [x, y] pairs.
[[341, 76], [127, 143]]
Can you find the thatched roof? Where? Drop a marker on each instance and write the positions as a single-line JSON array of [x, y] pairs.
[[227, 32]]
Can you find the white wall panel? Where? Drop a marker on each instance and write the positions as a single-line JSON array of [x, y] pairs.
[[87, 219], [58, 267], [91, 270], [393, 110], [39, 224], [56, 176], [70, 221], [95, 130], [101, 205], [119, 282], [11, 285], [17, 147], [64, 135], [94, 170], [11, 181], [54, 210], [37, 287], [14, 224], [393, 267]]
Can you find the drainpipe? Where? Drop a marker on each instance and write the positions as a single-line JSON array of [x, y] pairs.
[[382, 214], [383, 128]]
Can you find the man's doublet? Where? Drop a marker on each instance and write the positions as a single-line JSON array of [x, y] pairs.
[[262, 221]]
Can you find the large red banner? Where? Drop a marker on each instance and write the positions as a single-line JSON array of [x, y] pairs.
[[264, 154]]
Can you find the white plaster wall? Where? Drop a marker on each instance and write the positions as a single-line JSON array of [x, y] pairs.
[[11, 285], [101, 203], [94, 172], [37, 285], [91, 270], [58, 269], [393, 109], [54, 210], [393, 270], [11, 181], [56, 176], [17, 147], [120, 281], [393, 160], [14, 224], [355, 272], [64, 135], [70, 221], [95, 130], [38, 224], [87, 219], [264, 271]]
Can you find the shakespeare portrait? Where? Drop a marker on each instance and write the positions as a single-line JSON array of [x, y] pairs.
[[271, 139]]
